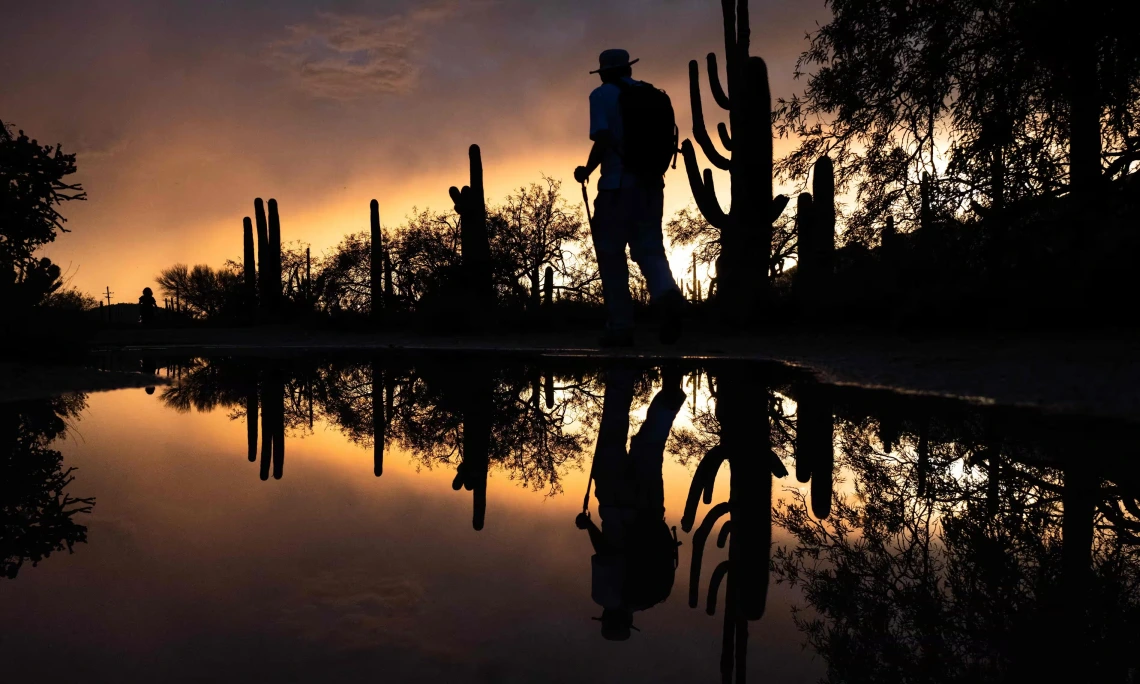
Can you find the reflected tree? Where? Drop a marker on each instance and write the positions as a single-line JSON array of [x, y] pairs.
[[37, 514], [962, 555]]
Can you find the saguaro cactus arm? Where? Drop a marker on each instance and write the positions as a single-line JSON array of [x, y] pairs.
[[714, 83], [704, 192], [699, 538], [699, 131], [714, 586], [725, 138], [779, 204], [459, 198]]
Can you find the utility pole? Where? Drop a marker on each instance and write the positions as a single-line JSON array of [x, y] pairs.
[[108, 294]]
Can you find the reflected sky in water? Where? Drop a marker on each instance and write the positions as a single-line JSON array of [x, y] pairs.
[[921, 566]]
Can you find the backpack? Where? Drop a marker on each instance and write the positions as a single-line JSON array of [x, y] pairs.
[[649, 130]]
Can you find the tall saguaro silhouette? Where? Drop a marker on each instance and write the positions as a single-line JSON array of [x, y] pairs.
[[471, 205], [743, 280], [815, 239], [376, 260], [249, 265], [264, 262], [274, 292]]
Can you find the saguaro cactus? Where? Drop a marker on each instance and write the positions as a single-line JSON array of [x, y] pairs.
[[471, 206], [376, 260], [746, 444], [263, 260], [746, 230], [379, 424], [815, 437], [249, 264], [275, 256], [815, 235]]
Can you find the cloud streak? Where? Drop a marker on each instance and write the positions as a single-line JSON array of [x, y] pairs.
[[353, 57]]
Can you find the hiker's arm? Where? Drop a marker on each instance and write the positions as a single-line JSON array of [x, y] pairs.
[[601, 545], [600, 125], [602, 140]]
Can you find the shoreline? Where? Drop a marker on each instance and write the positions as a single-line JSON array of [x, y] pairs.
[[1094, 375]]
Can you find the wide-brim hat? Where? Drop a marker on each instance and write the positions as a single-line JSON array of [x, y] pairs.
[[613, 59]]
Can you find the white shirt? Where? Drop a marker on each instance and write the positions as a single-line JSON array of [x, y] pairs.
[[605, 115]]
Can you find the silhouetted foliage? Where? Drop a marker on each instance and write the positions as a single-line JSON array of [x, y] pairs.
[[36, 511], [947, 561], [204, 292], [32, 188], [689, 228], [533, 229], [993, 87]]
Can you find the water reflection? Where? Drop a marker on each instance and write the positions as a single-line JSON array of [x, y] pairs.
[[635, 552], [925, 540], [972, 546], [38, 513]]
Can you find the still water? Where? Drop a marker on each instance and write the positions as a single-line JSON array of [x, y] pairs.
[[421, 520]]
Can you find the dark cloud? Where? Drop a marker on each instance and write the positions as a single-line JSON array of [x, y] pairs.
[[348, 57]]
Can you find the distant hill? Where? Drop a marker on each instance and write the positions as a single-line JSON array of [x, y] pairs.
[[122, 312]]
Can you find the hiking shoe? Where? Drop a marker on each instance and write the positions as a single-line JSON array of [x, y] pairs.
[[672, 309], [616, 338]]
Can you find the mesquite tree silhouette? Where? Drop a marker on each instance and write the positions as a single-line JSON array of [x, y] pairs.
[[32, 188], [982, 81], [746, 230], [37, 513]]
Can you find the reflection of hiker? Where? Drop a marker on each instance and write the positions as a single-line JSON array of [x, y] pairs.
[[635, 554], [147, 306], [635, 136]]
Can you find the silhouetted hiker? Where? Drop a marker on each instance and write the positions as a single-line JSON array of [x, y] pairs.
[[635, 554], [635, 136], [147, 306]]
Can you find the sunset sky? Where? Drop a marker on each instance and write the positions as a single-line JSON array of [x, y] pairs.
[[183, 112]]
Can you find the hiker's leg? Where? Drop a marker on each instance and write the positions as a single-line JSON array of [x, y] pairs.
[[647, 448], [609, 234], [611, 461], [646, 243]]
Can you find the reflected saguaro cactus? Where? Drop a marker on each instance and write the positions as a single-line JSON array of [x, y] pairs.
[[272, 423], [745, 444], [471, 205], [477, 407], [746, 230], [251, 417], [379, 425], [815, 445]]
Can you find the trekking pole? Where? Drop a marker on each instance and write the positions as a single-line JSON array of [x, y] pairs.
[[586, 200]]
